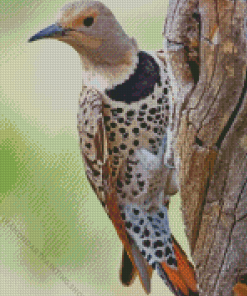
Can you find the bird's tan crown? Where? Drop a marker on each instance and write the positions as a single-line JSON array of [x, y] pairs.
[[73, 16]]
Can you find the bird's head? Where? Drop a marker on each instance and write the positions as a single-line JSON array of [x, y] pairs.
[[93, 31]]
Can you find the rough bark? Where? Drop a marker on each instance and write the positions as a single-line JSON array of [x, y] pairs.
[[205, 43]]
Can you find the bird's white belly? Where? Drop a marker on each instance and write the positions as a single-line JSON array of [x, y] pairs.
[[150, 180]]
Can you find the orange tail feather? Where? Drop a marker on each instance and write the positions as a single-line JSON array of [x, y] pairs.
[[176, 279], [185, 268], [240, 289], [182, 278]]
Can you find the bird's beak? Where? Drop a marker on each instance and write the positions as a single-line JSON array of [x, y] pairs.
[[53, 31]]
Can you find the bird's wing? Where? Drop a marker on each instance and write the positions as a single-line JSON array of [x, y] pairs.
[[93, 143], [93, 140]]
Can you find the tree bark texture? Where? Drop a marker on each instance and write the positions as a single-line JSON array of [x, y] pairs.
[[205, 45]]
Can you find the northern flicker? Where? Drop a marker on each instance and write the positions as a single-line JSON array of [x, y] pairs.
[[122, 122]]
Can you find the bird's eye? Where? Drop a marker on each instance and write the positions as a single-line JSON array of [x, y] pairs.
[[88, 21]]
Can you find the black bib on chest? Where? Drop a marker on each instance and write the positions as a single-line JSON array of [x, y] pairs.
[[140, 84]]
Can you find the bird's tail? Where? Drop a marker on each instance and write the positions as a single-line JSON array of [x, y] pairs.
[[180, 280]]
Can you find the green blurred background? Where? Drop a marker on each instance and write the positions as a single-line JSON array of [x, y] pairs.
[[44, 194]]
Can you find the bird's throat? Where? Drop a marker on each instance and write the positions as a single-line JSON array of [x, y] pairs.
[[104, 75]]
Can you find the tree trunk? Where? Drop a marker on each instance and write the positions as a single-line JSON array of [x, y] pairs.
[[205, 44]]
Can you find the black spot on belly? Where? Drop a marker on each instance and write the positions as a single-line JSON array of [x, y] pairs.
[[157, 233], [135, 193], [107, 118], [90, 135], [136, 229], [123, 216], [141, 113], [127, 175], [171, 261], [152, 111], [135, 130], [115, 149], [96, 173], [119, 183], [168, 251], [122, 130], [141, 183], [130, 113], [146, 232], [113, 124], [128, 224], [146, 243], [158, 243], [131, 152], [161, 215], [143, 125], [158, 253], [136, 211], [149, 256], [123, 146], [140, 84]]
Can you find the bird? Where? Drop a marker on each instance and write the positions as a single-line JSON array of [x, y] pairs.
[[123, 116]]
